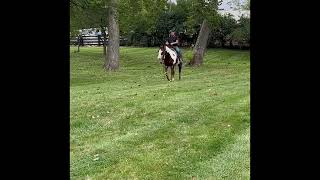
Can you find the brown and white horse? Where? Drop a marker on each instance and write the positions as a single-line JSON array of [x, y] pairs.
[[169, 58]]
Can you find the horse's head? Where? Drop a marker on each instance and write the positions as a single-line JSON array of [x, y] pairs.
[[162, 48], [162, 52]]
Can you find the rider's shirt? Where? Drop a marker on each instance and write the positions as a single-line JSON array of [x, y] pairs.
[[172, 39]]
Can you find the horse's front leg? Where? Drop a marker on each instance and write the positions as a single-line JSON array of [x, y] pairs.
[[166, 72], [180, 67], [172, 73]]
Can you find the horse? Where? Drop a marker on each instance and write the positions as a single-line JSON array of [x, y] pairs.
[[169, 59]]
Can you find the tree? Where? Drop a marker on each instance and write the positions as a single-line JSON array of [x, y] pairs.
[[246, 5], [76, 14], [244, 23], [201, 44], [131, 14], [206, 12], [238, 5], [86, 14], [98, 13], [112, 57], [139, 20], [172, 20], [226, 25], [241, 33]]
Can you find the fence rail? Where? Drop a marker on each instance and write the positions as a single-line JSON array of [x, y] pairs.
[[92, 40]]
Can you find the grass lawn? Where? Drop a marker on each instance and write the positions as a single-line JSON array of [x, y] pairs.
[[134, 124]]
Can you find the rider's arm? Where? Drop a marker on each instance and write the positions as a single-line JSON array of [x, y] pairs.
[[176, 42]]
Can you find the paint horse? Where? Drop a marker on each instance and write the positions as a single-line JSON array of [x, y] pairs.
[[169, 58]]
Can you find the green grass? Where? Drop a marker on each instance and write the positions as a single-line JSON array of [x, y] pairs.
[[134, 124]]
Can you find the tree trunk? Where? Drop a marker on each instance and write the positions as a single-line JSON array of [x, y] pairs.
[[78, 42], [104, 43], [223, 43], [201, 44], [104, 35], [112, 57]]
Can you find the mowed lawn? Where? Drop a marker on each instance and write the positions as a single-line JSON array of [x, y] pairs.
[[134, 124]]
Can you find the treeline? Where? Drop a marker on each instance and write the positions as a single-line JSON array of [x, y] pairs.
[[227, 33], [147, 23]]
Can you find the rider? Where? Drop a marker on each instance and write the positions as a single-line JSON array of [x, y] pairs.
[[173, 40]]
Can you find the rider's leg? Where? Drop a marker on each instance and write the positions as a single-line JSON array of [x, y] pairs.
[[179, 52], [177, 49]]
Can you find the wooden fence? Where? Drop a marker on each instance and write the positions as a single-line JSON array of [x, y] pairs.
[[93, 40]]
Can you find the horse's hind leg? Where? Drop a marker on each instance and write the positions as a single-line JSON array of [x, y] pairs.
[[180, 67], [172, 73]]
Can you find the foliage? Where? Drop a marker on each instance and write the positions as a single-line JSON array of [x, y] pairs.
[[87, 14], [241, 33], [246, 5], [148, 22]]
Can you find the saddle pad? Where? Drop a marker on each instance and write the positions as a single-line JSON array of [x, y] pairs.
[[173, 54]]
